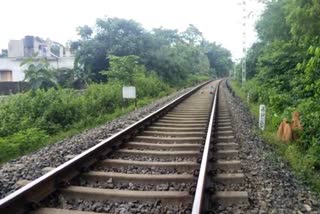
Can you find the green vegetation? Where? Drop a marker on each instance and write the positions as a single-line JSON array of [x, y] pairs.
[[174, 57], [31, 120], [115, 53], [283, 71], [38, 73]]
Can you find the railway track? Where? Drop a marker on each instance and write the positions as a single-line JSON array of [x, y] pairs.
[[225, 170], [165, 163]]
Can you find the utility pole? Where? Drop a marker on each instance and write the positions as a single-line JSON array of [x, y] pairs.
[[244, 40]]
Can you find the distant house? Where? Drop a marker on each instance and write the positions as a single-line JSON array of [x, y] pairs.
[[18, 50]]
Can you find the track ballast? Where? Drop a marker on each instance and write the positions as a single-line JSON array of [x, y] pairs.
[[157, 165]]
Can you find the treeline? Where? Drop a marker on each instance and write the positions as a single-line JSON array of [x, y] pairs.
[[283, 69], [116, 52], [174, 56]]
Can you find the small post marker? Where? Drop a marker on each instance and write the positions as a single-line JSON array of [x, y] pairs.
[[129, 92], [262, 117], [248, 98]]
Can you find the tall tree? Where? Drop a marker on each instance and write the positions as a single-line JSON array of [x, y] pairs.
[[304, 19], [38, 73], [84, 32], [113, 36], [123, 69], [219, 59], [163, 36], [252, 59], [192, 35], [272, 24], [172, 55]]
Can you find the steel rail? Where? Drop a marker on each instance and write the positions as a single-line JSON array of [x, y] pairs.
[[32, 193], [197, 207]]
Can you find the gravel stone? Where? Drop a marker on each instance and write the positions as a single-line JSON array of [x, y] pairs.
[[151, 158], [30, 166], [117, 207], [271, 185], [143, 170]]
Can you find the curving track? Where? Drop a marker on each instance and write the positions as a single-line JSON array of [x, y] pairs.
[[158, 165]]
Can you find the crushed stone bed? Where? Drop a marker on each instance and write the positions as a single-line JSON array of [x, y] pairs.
[[271, 185], [143, 170], [116, 207], [113, 184], [30, 166], [151, 158]]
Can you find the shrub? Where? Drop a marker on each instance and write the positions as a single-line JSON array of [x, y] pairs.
[[101, 99], [21, 142], [196, 79], [27, 120]]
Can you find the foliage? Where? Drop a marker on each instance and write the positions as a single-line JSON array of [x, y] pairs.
[[192, 35], [28, 120], [74, 46], [57, 110], [31, 120], [272, 25], [304, 19], [65, 77], [306, 82], [173, 56], [219, 59], [196, 79], [124, 69], [127, 71], [164, 37], [252, 59], [84, 32], [117, 52], [38, 73], [82, 74], [284, 70], [177, 63], [171, 62], [238, 72], [21, 142]]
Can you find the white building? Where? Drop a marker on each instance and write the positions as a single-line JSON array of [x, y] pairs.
[[18, 50]]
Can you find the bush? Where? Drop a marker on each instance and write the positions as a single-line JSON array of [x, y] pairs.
[[21, 142], [152, 86], [101, 99], [51, 110], [310, 118], [27, 120], [252, 88], [196, 79], [58, 110]]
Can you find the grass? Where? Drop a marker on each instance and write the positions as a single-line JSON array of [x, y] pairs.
[[299, 161], [36, 141]]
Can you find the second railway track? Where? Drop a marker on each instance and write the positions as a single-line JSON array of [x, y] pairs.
[[165, 163]]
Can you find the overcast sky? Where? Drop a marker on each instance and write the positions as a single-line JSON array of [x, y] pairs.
[[218, 20]]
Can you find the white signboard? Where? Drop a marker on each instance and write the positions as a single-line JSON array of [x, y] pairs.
[[262, 117], [129, 92]]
